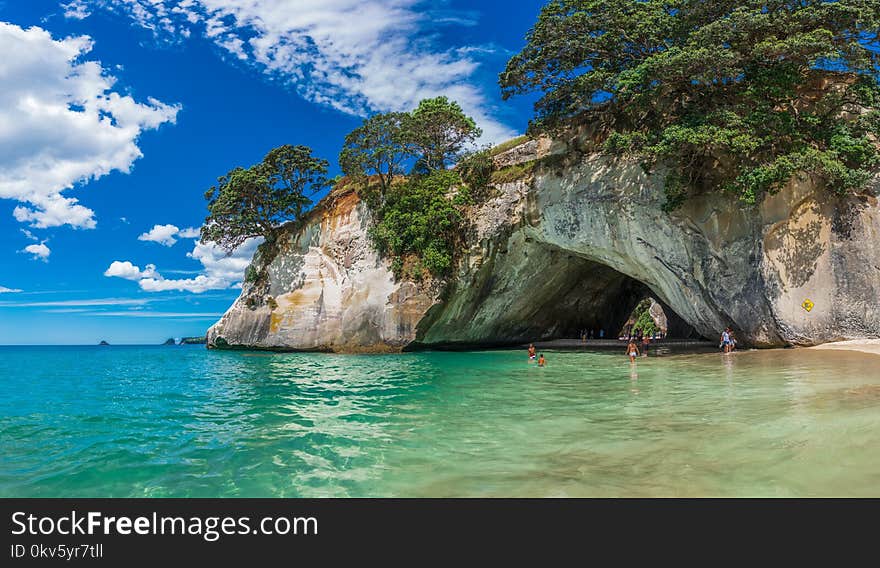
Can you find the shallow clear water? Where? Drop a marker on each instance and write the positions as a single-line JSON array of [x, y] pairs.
[[183, 421]]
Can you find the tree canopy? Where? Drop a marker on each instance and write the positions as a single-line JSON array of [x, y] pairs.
[[417, 221], [429, 138], [380, 146], [440, 130], [740, 95], [254, 201]]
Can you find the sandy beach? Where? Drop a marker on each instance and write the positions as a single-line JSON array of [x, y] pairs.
[[862, 345]]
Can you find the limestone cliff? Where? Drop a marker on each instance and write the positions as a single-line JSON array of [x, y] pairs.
[[325, 289], [575, 243]]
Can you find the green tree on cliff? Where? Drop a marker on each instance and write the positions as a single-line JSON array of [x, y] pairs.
[[440, 130], [740, 95], [378, 147], [417, 221], [430, 138], [255, 201]]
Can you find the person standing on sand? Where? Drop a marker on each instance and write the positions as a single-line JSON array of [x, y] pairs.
[[541, 361], [632, 351]]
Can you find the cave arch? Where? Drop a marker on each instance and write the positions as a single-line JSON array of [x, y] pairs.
[[538, 293]]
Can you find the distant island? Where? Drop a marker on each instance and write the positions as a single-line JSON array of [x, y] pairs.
[[104, 343], [186, 341]]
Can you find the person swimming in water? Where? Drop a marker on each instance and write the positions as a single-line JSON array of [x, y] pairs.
[[541, 361], [532, 352], [632, 350]]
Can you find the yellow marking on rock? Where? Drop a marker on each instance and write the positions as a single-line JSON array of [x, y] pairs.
[[808, 305], [275, 322]]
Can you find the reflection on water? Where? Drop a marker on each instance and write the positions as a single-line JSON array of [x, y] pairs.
[[187, 422]]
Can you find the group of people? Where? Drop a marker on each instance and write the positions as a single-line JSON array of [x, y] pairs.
[[728, 341], [632, 348], [533, 355], [592, 334], [728, 344], [637, 334]]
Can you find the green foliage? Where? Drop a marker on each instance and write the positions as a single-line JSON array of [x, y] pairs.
[[419, 223], [251, 274], [378, 147], [418, 220], [476, 170], [431, 137], [252, 202], [643, 319], [739, 95], [440, 130]]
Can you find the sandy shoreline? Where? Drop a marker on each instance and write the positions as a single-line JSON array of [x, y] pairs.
[[871, 346]]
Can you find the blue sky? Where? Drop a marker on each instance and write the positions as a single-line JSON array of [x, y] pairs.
[[117, 115]]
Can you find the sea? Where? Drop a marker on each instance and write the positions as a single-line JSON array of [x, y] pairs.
[[183, 421]]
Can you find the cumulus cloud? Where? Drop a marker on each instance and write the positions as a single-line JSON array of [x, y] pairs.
[[5, 290], [61, 124], [162, 234], [40, 251], [219, 270], [129, 271], [167, 235], [190, 233], [357, 56]]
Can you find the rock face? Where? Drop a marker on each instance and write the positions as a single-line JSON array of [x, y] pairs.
[[325, 290], [577, 244]]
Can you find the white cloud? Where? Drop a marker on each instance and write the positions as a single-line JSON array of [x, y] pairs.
[[40, 251], [129, 271], [195, 285], [162, 234], [190, 233], [167, 235], [61, 124], [5, 290], [219, 270], [76, 10], [357, 56]]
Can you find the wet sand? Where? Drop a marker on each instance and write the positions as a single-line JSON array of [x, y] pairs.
[[871, 346]]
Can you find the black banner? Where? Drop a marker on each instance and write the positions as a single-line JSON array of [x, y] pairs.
[[117, 532]]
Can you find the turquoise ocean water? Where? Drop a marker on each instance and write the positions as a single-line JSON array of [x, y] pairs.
[[186, 422]]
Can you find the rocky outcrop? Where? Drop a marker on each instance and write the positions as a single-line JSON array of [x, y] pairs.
[[325, 289], [576, 244]]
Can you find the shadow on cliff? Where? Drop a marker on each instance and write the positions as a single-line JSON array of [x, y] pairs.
[[539, 294]]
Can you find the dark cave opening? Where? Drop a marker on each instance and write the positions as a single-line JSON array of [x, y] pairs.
[[595, 299], [532, 292]]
